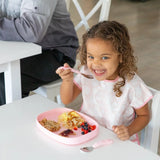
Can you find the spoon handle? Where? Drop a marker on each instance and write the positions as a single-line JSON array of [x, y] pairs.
[[73, 70], [102, 143]]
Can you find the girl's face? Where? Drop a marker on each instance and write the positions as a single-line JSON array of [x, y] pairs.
[[102, 59]]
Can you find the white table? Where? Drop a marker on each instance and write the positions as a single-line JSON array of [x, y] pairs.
[[21, 139], [10, 55]]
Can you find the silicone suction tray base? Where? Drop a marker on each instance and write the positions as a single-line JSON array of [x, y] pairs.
[[76, 139]]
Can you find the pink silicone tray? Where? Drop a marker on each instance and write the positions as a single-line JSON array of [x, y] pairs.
[[72, 139]]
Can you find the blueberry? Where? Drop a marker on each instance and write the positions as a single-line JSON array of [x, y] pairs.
[[85, 127]]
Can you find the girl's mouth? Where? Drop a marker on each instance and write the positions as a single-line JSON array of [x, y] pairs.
[[99, 72]]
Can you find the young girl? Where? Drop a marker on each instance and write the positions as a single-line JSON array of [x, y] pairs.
[[117, 98]]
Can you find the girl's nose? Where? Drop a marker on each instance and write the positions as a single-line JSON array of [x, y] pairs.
[[96, 62]]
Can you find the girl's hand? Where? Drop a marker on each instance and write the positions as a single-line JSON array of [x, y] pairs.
[[122, 132], [65, 74]]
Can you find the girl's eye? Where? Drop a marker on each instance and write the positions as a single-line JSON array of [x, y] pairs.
[[105, 58], [90, 57]]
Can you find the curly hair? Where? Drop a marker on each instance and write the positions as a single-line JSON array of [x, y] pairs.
[[118, 35]]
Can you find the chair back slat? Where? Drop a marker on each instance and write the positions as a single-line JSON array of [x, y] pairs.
[[103, 5], [104, 14], [150, 134]]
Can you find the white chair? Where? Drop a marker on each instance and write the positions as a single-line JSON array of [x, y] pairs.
[[51, 90], [150, 134], [104, 12]]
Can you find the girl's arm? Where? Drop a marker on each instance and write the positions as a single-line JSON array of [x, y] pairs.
[[69, 91], [142, 119], [31, 25]]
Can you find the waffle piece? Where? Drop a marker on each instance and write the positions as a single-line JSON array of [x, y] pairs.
[[70, 119]]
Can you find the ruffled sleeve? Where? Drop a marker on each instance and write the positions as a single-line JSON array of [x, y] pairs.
[[139, 93]]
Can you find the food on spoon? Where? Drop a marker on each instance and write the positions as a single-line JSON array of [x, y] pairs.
[[52, 126], [70, 119]]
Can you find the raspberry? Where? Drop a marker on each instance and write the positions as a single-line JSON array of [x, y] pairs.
[[75, 128], [93, 127]]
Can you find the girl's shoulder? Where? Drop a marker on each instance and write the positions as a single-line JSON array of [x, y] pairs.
[[136, 84], [136, 79]]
